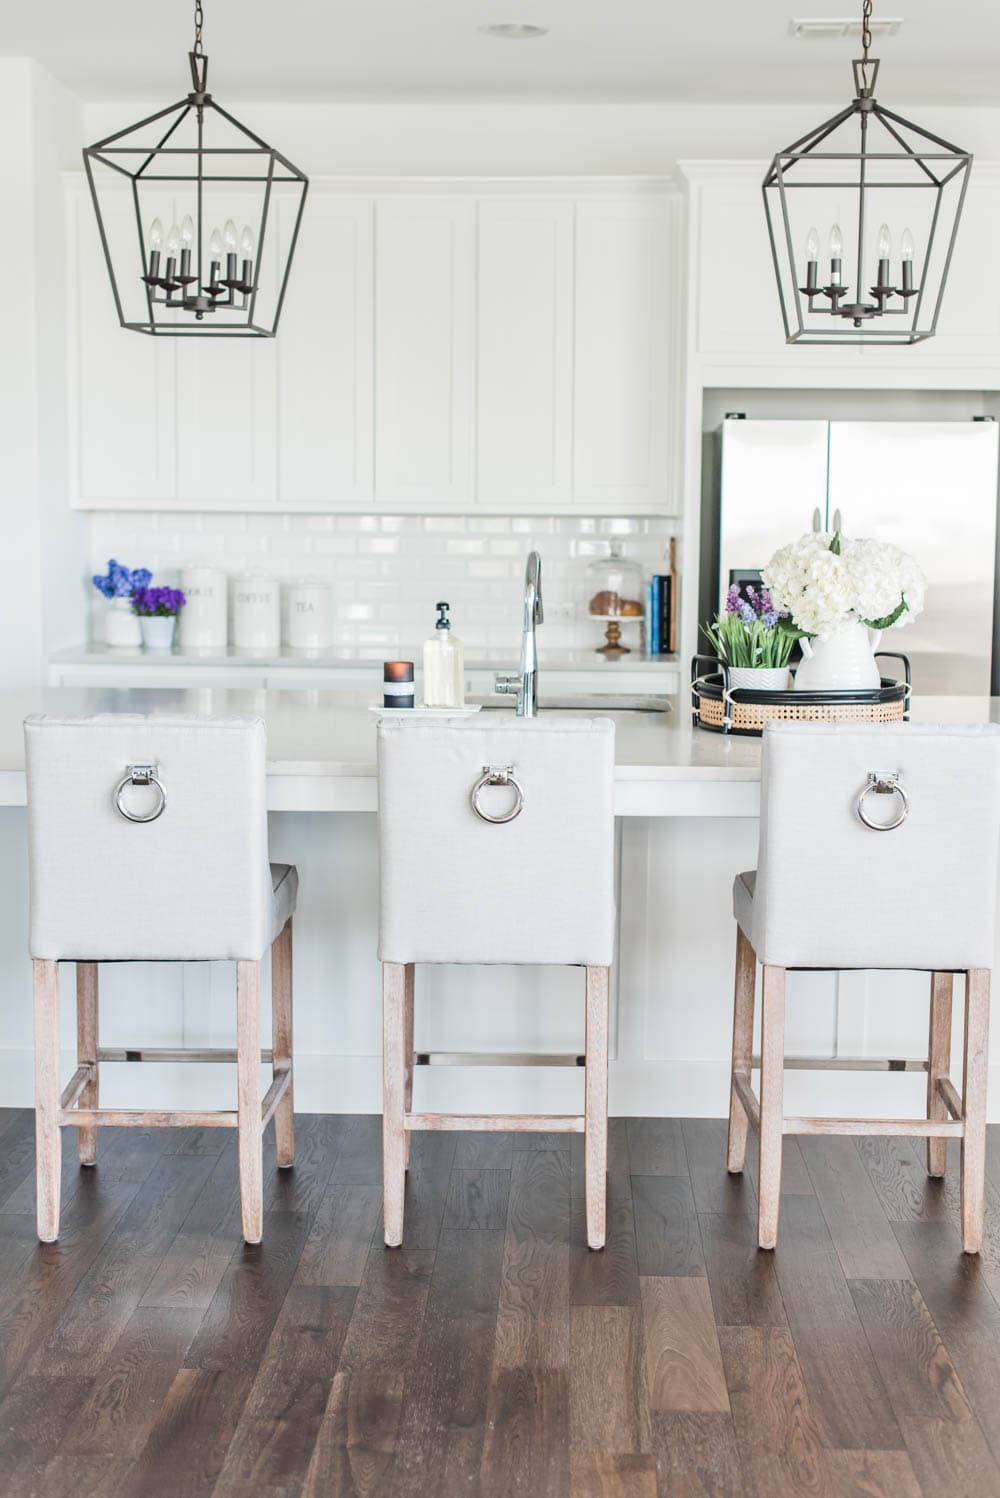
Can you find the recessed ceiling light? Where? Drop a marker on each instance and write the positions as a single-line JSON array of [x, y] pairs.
[[515, 31], [888, 26]]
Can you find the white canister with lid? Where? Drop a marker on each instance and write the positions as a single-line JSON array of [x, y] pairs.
[[203, 623], [256, 612], [308, 614]]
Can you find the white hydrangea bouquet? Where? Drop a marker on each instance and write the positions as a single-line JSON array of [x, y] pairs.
[[841, 594]]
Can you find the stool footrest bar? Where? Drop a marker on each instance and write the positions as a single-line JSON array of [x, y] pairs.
[[145, 1118], [160, 1053], [948, 1094], [273, 1095], [496, 1058], [913, 1128], [76, 1085], [748, 1098], [517, 1123], [849, 1063]]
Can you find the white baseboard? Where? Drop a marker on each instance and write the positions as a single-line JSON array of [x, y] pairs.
[[353, 1084]]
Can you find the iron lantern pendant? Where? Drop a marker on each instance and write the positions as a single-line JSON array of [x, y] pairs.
[[233, 206], [902, 191]]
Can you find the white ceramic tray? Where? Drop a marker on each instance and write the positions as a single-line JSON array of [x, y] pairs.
[[424, 712]]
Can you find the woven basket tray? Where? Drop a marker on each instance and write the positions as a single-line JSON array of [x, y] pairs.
[[720, 710]]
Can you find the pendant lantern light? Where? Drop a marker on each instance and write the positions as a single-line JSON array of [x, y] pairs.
[[198, 218], [887, 208]]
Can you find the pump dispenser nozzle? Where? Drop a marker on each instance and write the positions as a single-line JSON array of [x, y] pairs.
[[443, 622]]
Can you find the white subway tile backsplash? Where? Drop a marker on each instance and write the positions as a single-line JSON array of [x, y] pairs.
[[388, 571]]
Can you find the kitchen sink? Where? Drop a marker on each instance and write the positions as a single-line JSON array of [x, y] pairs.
[[593, 702]]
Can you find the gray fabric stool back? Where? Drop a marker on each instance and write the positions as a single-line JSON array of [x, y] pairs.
[[147, 841], [878, 849], [496, 841]]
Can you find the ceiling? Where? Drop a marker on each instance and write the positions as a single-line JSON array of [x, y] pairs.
[[612, 50]]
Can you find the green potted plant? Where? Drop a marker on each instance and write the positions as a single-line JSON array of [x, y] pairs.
[[754, 639]]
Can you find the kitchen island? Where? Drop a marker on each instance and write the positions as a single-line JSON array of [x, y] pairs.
[[687, 804]]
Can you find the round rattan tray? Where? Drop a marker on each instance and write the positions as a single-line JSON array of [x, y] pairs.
[[717, 708]]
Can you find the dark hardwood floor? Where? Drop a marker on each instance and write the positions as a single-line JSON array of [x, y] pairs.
[[151, 1354]]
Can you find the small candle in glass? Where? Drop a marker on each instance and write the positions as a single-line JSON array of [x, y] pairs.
[[397, 684]]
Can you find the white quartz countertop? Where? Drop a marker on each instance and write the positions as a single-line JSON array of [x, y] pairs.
[[321, 746], [554, 658]]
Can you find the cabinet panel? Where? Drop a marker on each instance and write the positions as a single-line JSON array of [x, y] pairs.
[[325, 353], [424, 350], [621, 359], [121, 385], [524, 364]]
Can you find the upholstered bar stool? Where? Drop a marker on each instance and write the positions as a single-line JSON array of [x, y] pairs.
[[878, 849], [497, 846], [148, 843]]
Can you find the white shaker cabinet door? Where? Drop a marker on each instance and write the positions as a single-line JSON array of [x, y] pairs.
[[121, 384], [622, 399], [424, 350], [524, 358], [325, 352], [227, 397]]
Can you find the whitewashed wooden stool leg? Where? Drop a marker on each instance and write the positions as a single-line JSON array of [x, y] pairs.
[[86, 1053], [743, 1005], [281, 1041], [596, 1105], [974, 1085], [394, 981], [408, 1000], [248, 1099], [772, 1104], [48, 1140], [938, 1066]]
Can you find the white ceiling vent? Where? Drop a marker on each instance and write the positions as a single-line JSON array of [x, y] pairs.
[[888, 26]]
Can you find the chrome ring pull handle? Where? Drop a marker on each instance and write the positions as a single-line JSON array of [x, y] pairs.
[[498, 775], [141, 775], [884, 783]]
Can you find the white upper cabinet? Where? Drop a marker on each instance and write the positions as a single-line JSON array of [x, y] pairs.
[[969, 321], [424, 350], [122, 416], [622, 354], [325, 354], [524, 352]]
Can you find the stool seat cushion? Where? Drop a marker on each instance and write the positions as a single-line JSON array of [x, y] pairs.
[[743, 889], [284, 893]]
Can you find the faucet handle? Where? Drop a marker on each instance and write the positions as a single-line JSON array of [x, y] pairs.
[[507, 682]]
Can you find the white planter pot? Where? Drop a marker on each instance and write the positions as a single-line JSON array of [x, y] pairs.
[[121, 626], [158, 631], [758, 678], [841, 661]]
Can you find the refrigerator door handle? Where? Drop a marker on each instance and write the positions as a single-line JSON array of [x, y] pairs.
[[817, 519]]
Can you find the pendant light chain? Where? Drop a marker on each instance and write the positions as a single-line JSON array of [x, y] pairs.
[[199, 22], [866, 38]]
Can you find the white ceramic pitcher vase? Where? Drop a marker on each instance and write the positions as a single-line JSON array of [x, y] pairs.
[[842, 660]]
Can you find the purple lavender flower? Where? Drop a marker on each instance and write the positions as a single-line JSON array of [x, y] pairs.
[[158, 602], [120, 582], [733, 600], [770, 618], [748, 613]]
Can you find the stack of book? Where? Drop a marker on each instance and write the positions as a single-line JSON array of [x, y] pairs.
[[661, 611]]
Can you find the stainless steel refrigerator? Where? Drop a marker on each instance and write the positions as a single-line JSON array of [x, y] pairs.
[[929, 487]]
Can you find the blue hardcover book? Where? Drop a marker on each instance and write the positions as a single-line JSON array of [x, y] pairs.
[[654, 620], [649, 618]]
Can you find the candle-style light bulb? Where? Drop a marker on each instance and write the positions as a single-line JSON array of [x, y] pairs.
[[812, 245], [187, 231], [229, 235], [835, 247], [906, 254], [156, 235], [884, 242], [173, 240], [215, 245], [247, 242]]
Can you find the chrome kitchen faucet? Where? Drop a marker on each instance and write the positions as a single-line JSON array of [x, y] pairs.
[[525, 683]]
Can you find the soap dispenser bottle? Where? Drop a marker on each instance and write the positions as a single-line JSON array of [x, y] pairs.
[[444, 665]]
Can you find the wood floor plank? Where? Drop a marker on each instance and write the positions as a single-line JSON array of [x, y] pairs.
[[272, 1448], [656, 1147], [241, 1315], [600, 1475], [477, 1198], [17, 1161], [608, 1404], [533, 1310], [742, 1280], [846, 1388], [304, 1186], [192, 1268], [899, 1175], [489, 1150], [872, 1474], [777, 1436], [918, 1372], [426, 1200], [186, 1448], [955, 1291], [668, 1239], [526, 1450], [443, 1428], [857, 1224], [611, 1277], [697, 1456], [341, 1235], [357, 1442], [359, 1159], [950, 1457], [433, 1150], [683, 1365], [389, 1311], [715, 1190], [34, 1417]]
